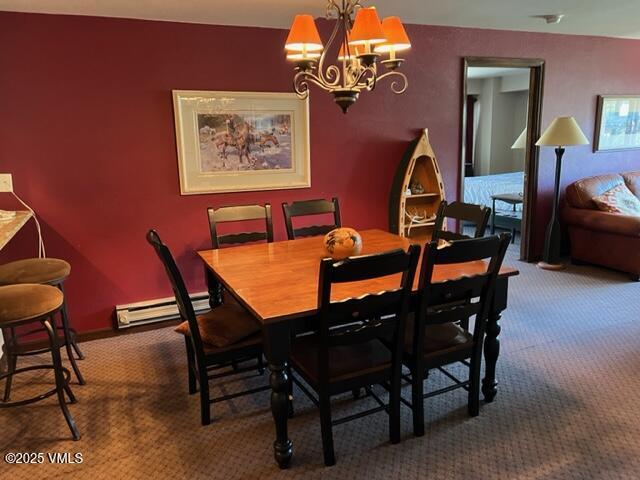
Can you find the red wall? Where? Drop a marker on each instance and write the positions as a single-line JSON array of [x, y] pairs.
[[87, 131]]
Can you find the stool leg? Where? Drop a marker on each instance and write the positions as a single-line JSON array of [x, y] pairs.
[[69, 340], [72, 335], [12, 361], [61, 383], [75, 346]]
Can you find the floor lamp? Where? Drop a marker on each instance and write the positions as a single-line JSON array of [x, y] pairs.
[[563, 132]]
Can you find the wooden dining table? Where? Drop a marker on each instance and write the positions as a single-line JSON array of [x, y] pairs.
[[278, 283]]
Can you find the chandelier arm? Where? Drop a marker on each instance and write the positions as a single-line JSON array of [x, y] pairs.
[[315, 81], [332, 75], [301, 83], [365, 78], [402, 81]]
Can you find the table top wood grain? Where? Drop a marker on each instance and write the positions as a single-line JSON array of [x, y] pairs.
[[12, 225], [279, 281]]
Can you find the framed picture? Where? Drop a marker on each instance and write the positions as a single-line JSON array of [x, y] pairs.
[[617, 123], [241, 141]]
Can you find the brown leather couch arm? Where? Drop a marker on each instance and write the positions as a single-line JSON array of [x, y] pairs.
[[602, 221]]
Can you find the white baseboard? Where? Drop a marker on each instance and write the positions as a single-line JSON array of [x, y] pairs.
[[158, 310]]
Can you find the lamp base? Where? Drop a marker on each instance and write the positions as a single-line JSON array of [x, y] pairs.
[[551, 266]]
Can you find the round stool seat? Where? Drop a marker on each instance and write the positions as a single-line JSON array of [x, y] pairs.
[[34, 270], [28, 302]]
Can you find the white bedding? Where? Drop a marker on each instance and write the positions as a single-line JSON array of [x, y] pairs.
[[478, 190]]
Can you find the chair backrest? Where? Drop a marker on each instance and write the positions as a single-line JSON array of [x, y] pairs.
[[240, 213], [463, 297], [185, 307], [379, 314], [464, 212], [310, 207]]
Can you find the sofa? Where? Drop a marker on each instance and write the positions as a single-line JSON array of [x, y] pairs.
[[598, 237]]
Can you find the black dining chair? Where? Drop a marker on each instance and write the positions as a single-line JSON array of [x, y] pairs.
[[236, 214], [357, 341], [307, 208], [221, 338], [464, 213], [240, 213], [435, 337]]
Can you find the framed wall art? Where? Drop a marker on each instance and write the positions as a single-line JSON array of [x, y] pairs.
[[617, 123], [241, 141]]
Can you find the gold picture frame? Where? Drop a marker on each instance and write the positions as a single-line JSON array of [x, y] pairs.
[[241, 141]]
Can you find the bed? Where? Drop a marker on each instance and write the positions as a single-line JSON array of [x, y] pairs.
[[478, 190]]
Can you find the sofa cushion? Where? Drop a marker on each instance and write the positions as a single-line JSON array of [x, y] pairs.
[[581, 193], [632, 179], [605, 222], [619, 200]]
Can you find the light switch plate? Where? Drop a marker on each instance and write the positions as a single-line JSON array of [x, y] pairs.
[[6, 182]]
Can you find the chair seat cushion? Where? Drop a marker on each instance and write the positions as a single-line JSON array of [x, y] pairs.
[[224, 325], [253, 342], [28, 302], [34, 270], [439, 339], [344, 361]]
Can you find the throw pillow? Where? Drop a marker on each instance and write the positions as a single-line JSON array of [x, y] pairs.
[[619, 200]]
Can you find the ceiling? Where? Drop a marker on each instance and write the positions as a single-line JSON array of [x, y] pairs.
[[612, 18]]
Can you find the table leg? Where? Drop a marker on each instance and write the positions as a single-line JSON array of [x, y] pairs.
[[491, 342], [277, 345], [214, 288], [491, 353]]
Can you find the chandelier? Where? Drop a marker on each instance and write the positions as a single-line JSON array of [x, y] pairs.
[[363, 40]]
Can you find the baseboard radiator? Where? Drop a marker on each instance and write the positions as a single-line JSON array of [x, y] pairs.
[[159, 310]]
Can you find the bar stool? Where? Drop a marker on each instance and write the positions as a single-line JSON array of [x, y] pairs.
[[46, 271], [29, 303]]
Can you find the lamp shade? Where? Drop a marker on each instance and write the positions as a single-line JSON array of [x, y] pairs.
[[521, 141], [303, 36], [563, 131], [353, 51], [397, 38], [367, 28]]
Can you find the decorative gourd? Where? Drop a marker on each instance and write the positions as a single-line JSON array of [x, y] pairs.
[[342, 243]]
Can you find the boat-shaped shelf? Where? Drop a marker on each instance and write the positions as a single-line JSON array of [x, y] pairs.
[[413, 214]]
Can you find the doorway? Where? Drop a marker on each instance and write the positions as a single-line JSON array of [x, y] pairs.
[[501, 115]]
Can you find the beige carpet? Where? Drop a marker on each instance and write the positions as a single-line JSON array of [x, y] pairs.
[[568, 406]]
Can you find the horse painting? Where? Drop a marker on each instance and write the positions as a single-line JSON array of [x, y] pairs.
[[258, 141]]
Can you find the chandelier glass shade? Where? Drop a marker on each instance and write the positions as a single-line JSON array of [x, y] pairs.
[[359, 40]]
